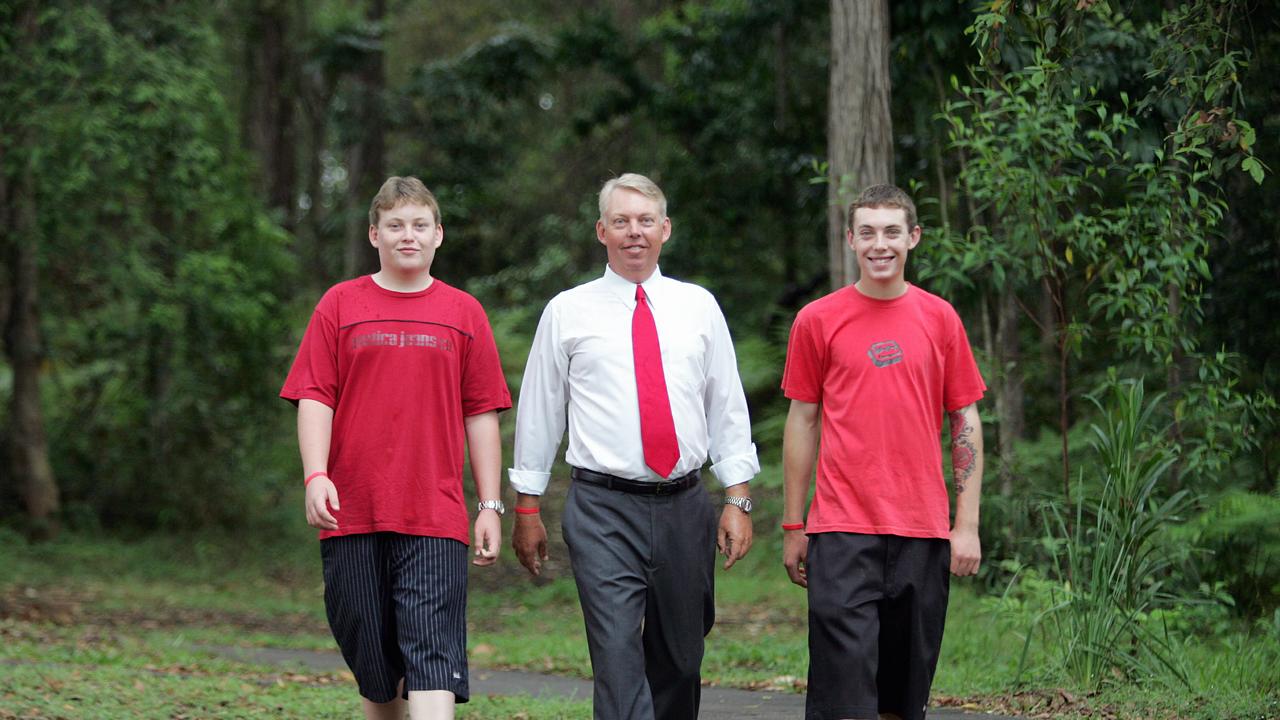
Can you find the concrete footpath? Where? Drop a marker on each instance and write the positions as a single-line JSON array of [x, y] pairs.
[[717, 703]]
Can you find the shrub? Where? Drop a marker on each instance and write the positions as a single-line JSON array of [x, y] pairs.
[[1109, 558]]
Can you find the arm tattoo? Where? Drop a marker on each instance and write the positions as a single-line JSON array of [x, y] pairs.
[[963, 452]]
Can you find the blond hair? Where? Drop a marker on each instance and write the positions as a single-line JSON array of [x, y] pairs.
[[397, 191], [638, 183]]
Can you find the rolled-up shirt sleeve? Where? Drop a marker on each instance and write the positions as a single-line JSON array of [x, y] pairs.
[[540, 413], [733, 455]]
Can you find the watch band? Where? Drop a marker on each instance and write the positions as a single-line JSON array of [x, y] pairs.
[[495, 505], [742, 503]]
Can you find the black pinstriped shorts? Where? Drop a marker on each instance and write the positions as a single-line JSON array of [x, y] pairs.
[[877, 607], [397, 607]]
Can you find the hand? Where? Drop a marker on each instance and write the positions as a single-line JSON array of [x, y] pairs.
[[733, 539], [795, 550], [966, 552], [320, 496], [488, 538], [529, 540]]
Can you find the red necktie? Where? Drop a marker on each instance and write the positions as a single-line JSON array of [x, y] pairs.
[[657, 427]]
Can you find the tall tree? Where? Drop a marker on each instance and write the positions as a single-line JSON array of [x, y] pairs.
[[859, 127], [366, 156], [23, 342], [271, 90]]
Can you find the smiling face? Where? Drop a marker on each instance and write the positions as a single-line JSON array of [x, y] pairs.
[[881, 240], [633, 230], [406, 237]]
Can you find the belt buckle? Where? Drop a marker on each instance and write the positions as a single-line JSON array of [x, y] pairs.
[[665, 487]]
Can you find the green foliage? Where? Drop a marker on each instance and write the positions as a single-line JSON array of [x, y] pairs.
[[1013, 524], [1104, 194], [1219, 421], [1239, 533], [162, 280], [1062, 192]]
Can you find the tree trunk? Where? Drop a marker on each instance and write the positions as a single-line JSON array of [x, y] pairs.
[[1010, 391], [268, 112], [29, 448], [859, 127], [316, 95], [366, 159], [1055, 296], [791, 240], [1174, 378]]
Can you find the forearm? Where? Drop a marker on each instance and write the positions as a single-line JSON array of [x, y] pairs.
[[966, 465], [315, 428], [484, 445], [799, 453]]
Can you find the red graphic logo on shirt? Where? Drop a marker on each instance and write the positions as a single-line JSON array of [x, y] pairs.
[[884, 354]]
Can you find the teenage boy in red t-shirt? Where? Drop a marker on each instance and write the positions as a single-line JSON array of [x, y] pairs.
[[870, 369], [396, 373]]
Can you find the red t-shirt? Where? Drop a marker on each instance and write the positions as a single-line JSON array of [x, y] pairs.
[[883, 371], [401, 371]]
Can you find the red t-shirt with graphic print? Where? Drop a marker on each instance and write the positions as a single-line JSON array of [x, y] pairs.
[[401, 372], [883, 371]]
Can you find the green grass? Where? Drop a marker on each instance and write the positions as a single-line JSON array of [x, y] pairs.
[[165, 693], [118, 627]]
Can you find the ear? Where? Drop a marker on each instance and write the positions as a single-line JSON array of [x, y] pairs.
[[915, 237], [848, 238], [439, 235], [666, 230], [600, 232], [373, 235]]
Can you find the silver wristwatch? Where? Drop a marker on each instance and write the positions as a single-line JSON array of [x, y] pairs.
[[495, 505], [742, 503]]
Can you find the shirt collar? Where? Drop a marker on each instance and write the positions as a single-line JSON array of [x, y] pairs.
[[626, 290]]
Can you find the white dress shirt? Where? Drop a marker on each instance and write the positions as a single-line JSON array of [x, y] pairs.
[[582, 358]]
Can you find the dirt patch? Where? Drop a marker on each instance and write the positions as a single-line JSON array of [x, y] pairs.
[[62, 607], [1050, 703]]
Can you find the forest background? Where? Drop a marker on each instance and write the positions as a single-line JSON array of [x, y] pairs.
[[180, 181]]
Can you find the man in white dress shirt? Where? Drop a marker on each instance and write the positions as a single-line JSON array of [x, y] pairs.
[[644, 413]]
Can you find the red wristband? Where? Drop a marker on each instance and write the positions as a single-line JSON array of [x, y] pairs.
[[314, 475], [526, 510], [792, 526]]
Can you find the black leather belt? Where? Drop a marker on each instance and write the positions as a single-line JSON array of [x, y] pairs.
[[637, 487]]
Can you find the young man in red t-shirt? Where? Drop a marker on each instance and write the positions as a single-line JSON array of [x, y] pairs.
[[870, 369], [396, 373]]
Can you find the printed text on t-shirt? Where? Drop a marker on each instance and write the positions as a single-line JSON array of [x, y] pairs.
[[401, 339]]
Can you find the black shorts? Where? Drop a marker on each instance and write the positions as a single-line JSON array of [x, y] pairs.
[[877, 606], [397, 607]]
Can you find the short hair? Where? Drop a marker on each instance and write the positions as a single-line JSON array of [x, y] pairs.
[[638, 183], [397, 191], [884, 196]]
